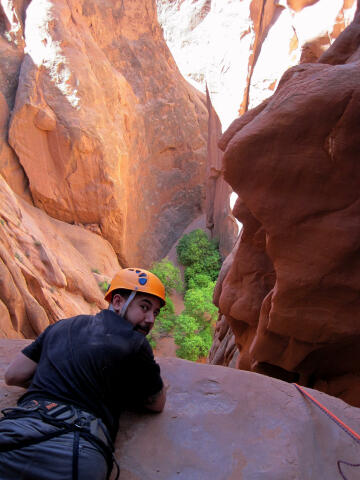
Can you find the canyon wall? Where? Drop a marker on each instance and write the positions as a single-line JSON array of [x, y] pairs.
[[240, 49], [103, 153], [104, 131], [290, 290]]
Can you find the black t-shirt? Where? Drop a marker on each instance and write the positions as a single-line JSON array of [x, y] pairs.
[[98, 363]]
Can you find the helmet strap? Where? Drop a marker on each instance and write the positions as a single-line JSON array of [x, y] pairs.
[[127, 303]]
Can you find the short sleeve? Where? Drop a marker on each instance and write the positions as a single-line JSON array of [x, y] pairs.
[[33, 351], [147, 378]]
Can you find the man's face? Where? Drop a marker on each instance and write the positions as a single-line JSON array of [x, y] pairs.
[[141, 312]]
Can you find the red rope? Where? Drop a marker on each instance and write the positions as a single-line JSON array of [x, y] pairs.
[[330, 414]]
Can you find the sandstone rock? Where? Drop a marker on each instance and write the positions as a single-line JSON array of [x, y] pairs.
[[47, 268], [105, 127], [241, 49], [219, 219], [11, 56], [291, 294], [224, 424]]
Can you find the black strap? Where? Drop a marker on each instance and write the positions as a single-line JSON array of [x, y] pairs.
[[75, 459], [7, 447], [78, 430]]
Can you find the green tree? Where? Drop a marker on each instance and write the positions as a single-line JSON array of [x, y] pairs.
[[199, 255], [199, 304], [193, 337], [193, 331], [164, 322], [169, 274]]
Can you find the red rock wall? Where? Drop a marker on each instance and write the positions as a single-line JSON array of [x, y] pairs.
[[48, 268], [219, 219], [291, 293], [240, 49], [98, 129], [105, 128]]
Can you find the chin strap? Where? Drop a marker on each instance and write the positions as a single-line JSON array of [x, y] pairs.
[[128, 301]]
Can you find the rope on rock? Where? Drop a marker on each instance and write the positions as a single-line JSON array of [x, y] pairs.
[[355, 436]]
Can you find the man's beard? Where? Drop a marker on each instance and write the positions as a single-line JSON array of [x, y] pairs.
[[144, 330]]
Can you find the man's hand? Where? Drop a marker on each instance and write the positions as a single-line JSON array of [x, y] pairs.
[[156, 403], [20, 371]]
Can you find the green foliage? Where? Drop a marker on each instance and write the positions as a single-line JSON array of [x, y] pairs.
[[199, 304], [193, 337], [193, 330], [104, 286], [169, 274], [95, 270], [194, 327], [199, 254], [166, 318], [164, 322], [2, 221], [199, 280]]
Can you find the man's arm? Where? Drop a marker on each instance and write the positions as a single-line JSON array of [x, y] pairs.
[[20, 371], [156, 403]]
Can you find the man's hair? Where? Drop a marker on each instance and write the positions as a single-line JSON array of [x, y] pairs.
[[121, 291]]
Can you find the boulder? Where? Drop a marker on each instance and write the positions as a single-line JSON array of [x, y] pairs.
[[224, 424], [48, 269]]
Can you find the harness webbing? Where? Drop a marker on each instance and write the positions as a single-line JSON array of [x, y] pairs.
[[64, 427], [7, 447]]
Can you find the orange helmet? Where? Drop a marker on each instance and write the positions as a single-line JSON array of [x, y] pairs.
[[137, 280]]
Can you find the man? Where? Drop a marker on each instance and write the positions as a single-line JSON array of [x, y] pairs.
[[81, 373]]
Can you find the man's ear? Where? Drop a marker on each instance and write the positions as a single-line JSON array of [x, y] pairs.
[[117, 302]]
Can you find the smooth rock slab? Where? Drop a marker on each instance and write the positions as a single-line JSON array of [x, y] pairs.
[[225, 424]]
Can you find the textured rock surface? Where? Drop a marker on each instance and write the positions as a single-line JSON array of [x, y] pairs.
[[48, 269], [241, 49], [98, 129], [291, 294], [219, 219], [11, 56], [106, 129], [225, 424]]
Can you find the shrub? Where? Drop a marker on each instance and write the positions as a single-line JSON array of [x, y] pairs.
[[193, 336], [199, 255], [164, 322], [169, 274], [199, 280], [104, 286], [199, 304], [193, 330]]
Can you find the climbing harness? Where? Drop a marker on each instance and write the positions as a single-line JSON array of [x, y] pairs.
[[66, 418], [355, 436]]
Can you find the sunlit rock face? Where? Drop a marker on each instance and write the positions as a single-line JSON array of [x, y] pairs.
[[107, 131], [219, 219], [291, 292], [48, 269], [212, 421], [240, 49]]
